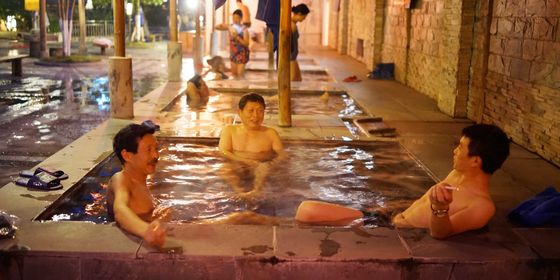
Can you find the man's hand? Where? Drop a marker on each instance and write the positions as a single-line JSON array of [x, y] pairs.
[[440, 196], [155, 234], [251, 162]]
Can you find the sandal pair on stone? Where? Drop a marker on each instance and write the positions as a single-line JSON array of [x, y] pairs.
[[43, 178]]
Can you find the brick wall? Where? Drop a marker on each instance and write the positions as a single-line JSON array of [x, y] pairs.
[[522, 89], [395, 39], [366, 28]]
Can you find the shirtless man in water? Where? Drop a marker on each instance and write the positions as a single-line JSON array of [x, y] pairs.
[[129, 198], [250, 144], [459, 203]]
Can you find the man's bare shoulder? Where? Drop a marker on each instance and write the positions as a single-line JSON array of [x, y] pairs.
[[118, 182], [270, 131]]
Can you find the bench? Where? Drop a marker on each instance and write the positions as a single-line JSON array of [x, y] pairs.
[[16, 63], [102, 47], [156, 37]]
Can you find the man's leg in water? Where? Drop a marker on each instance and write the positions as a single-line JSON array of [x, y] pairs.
[[261, 173], [228, 174], [324, 213]]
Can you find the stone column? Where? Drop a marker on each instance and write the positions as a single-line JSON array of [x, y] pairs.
[[174, 61], [120, 87], [174, 48]]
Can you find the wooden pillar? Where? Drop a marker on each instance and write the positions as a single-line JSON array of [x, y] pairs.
[[196, 48], [82, 18], [118, 25], [284, 86], [173, 20], [43, 29], [270, 48]]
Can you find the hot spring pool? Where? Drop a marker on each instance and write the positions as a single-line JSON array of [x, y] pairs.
[[358, 174], [302, 104]]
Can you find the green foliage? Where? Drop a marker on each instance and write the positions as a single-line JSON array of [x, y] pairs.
[[75, 58]]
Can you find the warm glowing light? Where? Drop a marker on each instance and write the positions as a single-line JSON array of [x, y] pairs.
[[128, 9], [192, 4]]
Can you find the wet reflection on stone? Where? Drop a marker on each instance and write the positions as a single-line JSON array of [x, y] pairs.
[[39, 115], [372, 175]]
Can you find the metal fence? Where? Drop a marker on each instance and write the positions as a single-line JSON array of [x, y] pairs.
[[94, 28]]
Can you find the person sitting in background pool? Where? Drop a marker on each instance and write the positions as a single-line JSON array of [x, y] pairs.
[[251, 144], [129, 199], [459, 203], [197, 92]]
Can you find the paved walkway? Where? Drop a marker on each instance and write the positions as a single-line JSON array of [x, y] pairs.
[[431, 135]]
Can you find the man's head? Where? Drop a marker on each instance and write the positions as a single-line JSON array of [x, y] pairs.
[[485, 145], [237, 16], [300, 12], [135, 145], [251, 110]]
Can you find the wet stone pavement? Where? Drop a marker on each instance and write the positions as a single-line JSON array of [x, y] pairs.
[[51, 106]]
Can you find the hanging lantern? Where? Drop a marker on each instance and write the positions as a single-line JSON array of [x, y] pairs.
[[31, 5]]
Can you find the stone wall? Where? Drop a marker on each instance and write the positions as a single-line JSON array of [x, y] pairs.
[[395, 38], [522, 90], [366, 29], [342, 42]]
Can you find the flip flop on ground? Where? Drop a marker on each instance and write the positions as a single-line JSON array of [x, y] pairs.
[[41, 181], [59, 174]]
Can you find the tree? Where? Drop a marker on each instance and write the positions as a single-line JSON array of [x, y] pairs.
[[65, 14]]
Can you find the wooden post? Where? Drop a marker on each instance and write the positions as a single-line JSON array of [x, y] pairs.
[[82, 17], [270, 48], [284, 86], [173, 20], [118, 25], [196, 48], [43, 29]]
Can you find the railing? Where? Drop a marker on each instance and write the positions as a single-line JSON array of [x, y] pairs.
[[94, 28]]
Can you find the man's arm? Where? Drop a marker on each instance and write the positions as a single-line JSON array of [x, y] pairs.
[[277, 147], [129, 221], [443, 225]]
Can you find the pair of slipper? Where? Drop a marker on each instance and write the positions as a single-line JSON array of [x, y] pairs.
[[43, 178], [351, 79]]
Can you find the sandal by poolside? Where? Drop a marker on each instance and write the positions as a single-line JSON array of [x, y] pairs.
[[59, 174], [41, 181], [350, 79]]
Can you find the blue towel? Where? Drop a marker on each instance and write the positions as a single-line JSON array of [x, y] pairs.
[[539, 211]]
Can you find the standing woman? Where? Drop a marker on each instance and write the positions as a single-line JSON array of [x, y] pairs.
[[238, 44], [299, 13]]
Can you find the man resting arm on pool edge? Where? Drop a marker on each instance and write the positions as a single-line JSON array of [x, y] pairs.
[[129, 198], [459, 203], [252, 144]]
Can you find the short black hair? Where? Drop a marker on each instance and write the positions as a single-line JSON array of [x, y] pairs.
[[196, 80], [251, 97], [301, 9], [238, 12], [489, 143], [129, 137]]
